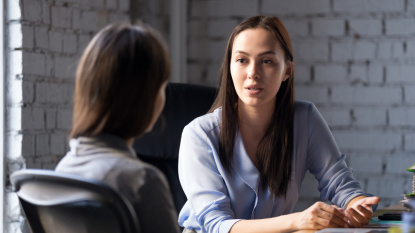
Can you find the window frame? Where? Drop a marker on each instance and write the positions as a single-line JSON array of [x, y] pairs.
[[178, 25], [2, 118]]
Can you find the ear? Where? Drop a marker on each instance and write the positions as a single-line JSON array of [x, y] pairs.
[[287, 71]]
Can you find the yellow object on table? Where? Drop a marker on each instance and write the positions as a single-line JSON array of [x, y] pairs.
[[394, 230]]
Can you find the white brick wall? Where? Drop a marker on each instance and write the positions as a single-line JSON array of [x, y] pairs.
[[335, 116], [410, 142], [400, 27], [313, 50], [327, 27], [363, 140], [330, 74], [410, 48], [312, 93], [296, 27], [353, 50], [366, 164], [375, 74], [61, 17], [365, 27], [295, 7], [409, 94], [366, 6], [401, 161], [396, 186], [220, 9], [400, 74], [358, 95], [403, 117], [354, 59], [302, 74], [369, 117]]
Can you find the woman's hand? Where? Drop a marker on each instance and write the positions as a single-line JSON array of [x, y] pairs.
[[321, 215], [359, 210], [316, 217]]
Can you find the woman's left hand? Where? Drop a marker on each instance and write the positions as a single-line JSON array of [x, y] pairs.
[[359, 210]]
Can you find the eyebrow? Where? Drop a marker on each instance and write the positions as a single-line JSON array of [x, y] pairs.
[[261, 54]]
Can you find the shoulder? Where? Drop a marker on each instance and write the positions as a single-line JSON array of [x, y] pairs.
[[135, 177], [303, 106], [306, 116], [206, 123], [120, 172], [303, 109], [136, 168]]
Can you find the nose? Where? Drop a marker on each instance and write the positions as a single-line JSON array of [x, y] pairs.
[[253, 71]]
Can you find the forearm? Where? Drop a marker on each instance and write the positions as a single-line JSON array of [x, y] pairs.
[[284, 223]]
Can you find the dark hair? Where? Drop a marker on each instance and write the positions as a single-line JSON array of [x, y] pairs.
[[117, 81], [275, 149]]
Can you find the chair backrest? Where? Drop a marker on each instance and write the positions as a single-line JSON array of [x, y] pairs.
[[65, 203], [160, 147]]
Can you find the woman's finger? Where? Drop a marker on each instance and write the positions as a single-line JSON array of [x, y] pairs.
[[362, 214], [354, 217], [337, 208], [331, 209], [367, 213], [333, 219], [330, 216]]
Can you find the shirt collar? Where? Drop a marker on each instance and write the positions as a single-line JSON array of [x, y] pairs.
[[242, 164], [100, 144]]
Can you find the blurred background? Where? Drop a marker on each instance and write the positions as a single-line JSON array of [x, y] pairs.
[[354, 59]]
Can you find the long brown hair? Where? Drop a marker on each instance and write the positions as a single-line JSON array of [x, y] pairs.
[[275, 149], [117, 81]]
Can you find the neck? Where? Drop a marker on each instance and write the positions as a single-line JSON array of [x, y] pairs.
[[257, 117]]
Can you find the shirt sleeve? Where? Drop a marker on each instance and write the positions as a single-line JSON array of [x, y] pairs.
[[202, 182], [327, 164]]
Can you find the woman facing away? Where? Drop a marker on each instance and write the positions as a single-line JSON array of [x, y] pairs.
[[241, 165], [119, 94]]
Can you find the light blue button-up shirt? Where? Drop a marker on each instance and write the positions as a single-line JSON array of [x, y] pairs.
[[217, 199]]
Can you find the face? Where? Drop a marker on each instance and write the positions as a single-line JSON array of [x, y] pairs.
[[158, 105], [258, 67]]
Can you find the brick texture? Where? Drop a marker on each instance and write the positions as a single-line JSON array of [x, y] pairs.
[[354, 59]]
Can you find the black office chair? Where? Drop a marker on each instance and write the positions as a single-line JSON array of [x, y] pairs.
[[160, 147], [59, 202]]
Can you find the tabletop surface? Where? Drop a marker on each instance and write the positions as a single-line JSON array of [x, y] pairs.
[[397, 207]]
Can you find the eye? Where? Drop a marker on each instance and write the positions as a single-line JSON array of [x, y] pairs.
[[267, 61], [241, 60]]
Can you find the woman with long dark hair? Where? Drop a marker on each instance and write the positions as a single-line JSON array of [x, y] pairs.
[[241, 165], [119, 95]]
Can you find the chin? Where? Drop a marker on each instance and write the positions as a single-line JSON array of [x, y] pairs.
[[252, 103]]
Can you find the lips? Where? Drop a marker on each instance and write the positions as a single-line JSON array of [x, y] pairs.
[[254, 89]]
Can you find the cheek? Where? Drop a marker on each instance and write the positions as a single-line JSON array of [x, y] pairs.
[[162, 102], [159, 104], [233, 71], [236, 73], [278, 73]]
